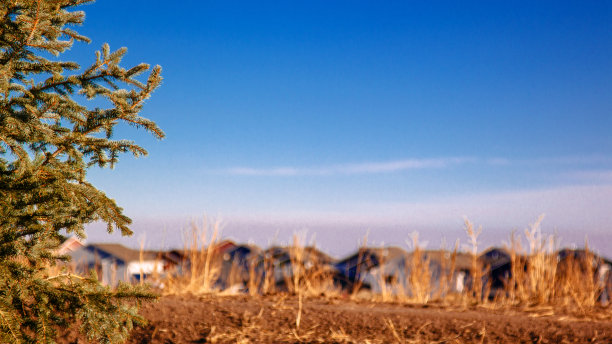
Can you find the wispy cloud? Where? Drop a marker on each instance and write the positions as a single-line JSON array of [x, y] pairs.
[[595, 159], [569, 160], [352, 169], [393, 166]]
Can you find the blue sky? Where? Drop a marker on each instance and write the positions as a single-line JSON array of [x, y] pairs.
[[340, 117]]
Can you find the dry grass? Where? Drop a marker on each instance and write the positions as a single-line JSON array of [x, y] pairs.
[[361, 261], [252, 330], [533, 279], [202, 267], [577, 281], [448, 265], [477, 291], [541, 277], [419, 276], [537, 279]]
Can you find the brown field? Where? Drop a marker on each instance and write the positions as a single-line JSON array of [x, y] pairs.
[[272, 319]]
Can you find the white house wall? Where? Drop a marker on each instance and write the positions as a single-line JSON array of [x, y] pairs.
[[146, 267]]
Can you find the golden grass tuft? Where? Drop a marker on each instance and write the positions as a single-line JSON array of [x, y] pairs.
[[200, 270], [419, 276]]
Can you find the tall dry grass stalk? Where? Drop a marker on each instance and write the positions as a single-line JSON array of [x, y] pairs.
[[201, 266], [309, 275], [533, 275], [420, 275], [319, 280], [421, 279], [263, 282], [297, 255], [254, 281], [388, 281], [476, 291], [141, 258], [361, 261], [448, 265]]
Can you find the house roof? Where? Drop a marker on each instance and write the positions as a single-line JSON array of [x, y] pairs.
[[69, 245], [123, 253], [463, 260], [224, 245], [321, 256], [377, 253], [254, 249], [581, 254], [389, 253], [495, 257], [311, 253]]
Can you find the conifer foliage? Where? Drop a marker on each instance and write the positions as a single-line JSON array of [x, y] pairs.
[[50, 135]]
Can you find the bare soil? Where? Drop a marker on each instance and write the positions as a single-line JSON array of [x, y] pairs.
[[273, 319]]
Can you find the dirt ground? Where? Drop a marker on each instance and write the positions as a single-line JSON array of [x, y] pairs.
[[243, 319]]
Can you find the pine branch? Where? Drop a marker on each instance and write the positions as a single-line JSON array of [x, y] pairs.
[[48, 141]]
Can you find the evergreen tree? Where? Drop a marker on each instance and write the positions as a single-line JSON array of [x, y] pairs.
[[49, 138]]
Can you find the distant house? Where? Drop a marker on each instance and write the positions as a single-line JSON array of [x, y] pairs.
[[368, 267], [497, 268], [174, 261], [284, 261], [114, 262], [604, 278], [69, 245], [455, 266], [236, 264], [602, 269], [495, 256], [377, 268], [228, 263]]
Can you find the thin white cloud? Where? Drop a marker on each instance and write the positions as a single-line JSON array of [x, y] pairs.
[[571, 160], [352, 169], [277, 171], [568, 160], [378, 167]]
